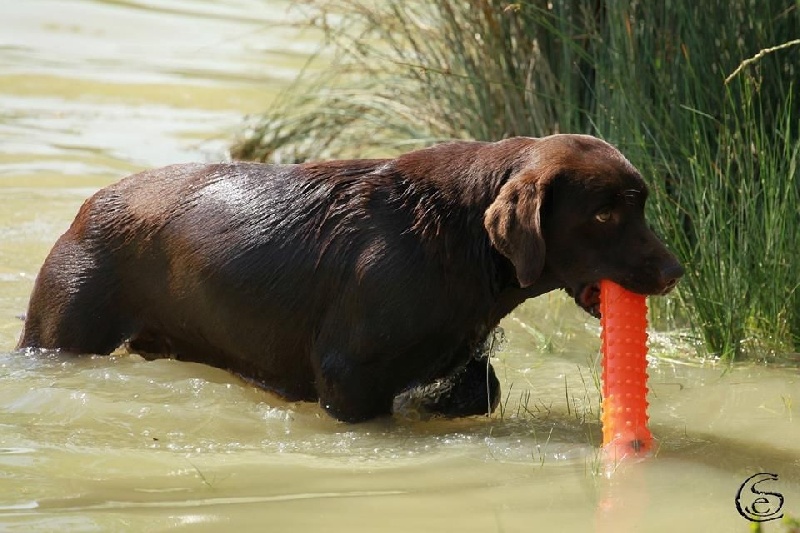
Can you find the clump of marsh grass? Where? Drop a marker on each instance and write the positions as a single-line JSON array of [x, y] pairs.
[[743, 204], [410, 73], [726, 153], [722, 157]]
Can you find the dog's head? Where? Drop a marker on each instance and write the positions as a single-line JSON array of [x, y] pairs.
[[576, 212]]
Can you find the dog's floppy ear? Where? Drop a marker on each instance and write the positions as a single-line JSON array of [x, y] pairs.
[[513, 222]]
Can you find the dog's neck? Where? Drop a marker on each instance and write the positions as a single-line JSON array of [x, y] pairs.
[[466, 173]]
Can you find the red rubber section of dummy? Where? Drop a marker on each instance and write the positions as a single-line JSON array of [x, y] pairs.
[[624, 346]]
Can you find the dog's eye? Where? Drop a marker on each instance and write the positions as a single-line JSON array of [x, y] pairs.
[[604, 215]]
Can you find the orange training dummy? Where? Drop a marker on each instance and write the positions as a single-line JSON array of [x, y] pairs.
[[624, 340]]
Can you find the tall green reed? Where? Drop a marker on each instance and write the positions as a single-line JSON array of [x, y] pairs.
[[722, 159]]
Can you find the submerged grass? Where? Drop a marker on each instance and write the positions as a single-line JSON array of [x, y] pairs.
[[722, 157]]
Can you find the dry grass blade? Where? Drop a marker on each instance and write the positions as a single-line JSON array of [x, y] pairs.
[[758, 56]]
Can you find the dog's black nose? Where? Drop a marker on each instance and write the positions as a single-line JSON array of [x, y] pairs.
[[670, 274]]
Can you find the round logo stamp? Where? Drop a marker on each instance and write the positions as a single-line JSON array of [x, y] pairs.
[[756, 504]]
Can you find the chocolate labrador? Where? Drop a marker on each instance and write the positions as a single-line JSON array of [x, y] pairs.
[[348, 282]]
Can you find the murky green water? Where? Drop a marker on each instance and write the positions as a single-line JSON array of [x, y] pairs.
[[91, 91]]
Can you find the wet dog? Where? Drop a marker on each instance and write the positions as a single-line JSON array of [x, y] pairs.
[[348, 282]]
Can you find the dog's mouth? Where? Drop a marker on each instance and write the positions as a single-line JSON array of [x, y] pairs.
[[587, 296]]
